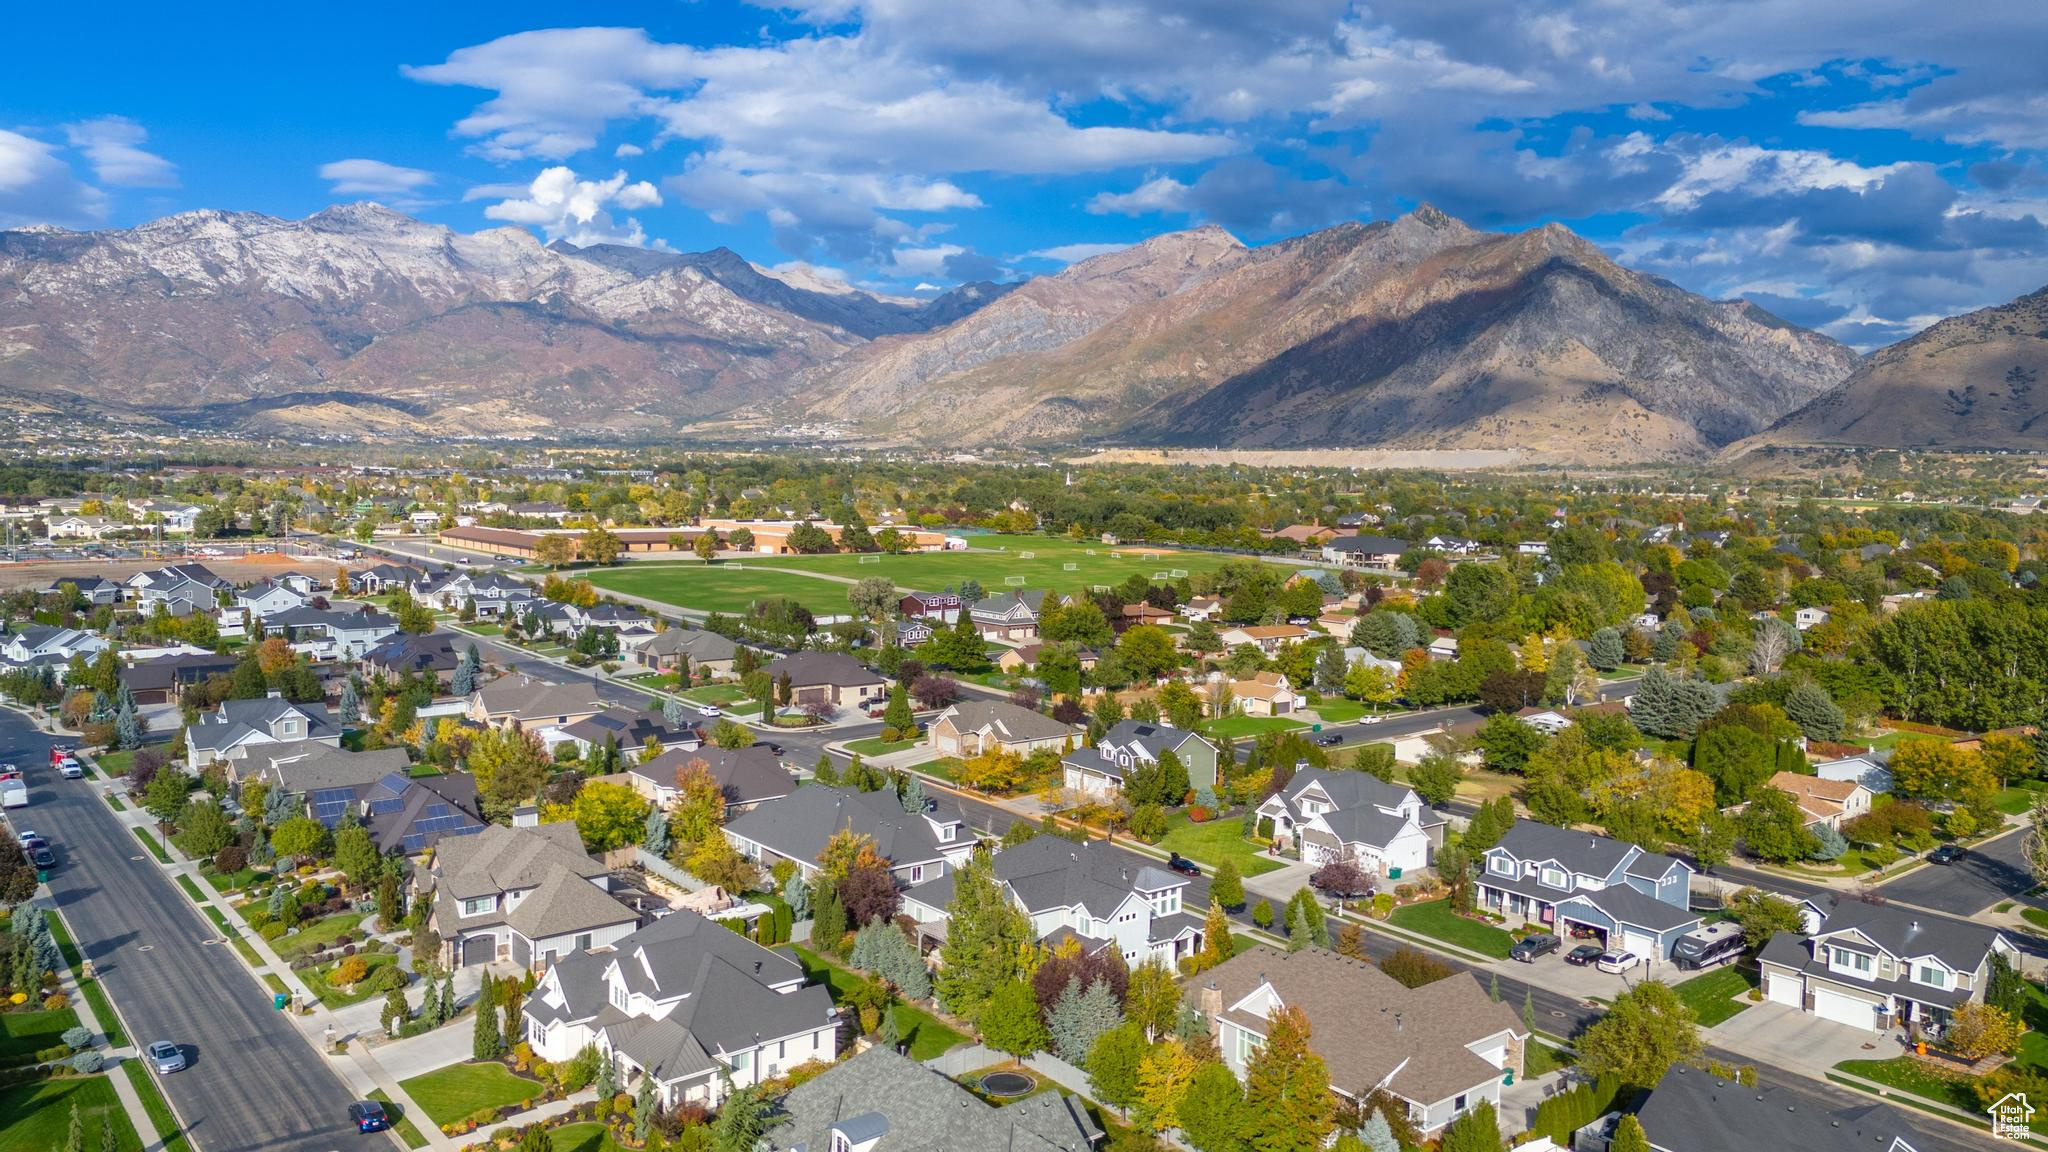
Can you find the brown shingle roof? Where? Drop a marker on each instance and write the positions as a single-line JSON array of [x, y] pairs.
[[1816, 797]]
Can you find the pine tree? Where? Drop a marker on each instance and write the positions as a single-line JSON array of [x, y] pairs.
[[107, 1143], [1079, 1017], [351, 706], [74, 1140], [1227, 887], [487, 1042], [448, 1005], [912, 795], [127, 726], [644, 1109], [797, 894], [1298, 936], [1494, 990], [1475, 1131], [607, 1078], [673, 713], [463, 682], [1529, 1012], [1377, 1135], [655, 836], [1629, 1136], [396, 1009]]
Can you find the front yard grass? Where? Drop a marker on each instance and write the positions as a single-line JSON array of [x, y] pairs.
[[874, 746], [1338, 710], [1717, 995], [1540, 1059], [928, 1035], [586, 1137], [718, 694], [1240, 726], [1914, 1077], [23, 1034], [225, 882], [1213, 841], [1434, 918], [403, 1125], [946, 768], [334, 996], [316, 935], [462, 1090], [102, 1008], [38, 1114], [117, 763]]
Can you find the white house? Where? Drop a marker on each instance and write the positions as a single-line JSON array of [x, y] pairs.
[[1883, 966], [525, 894], [1354, 816], [1805, 618]]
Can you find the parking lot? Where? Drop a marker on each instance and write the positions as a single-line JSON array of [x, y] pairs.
[[1987, 874]]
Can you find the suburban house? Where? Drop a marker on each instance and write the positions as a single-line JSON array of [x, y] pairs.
[[1560, 878], [384, 578], [936, 607], [1548, 721], [303, 767], [1869, 769], [972, 727], [494, 594], [93, 589], [879, 1101], [831, 678], [521, 703], [1880, 966], [907, 633], [327, 634], [1379, 553], [1267, 638], [697, 1008], [1094, 893], [267, 598], [1264, 694], [405, 654], [182, 589], [1829, 802], [175, 517], [1009, 616], [403, 815], [1132, 615], [1805, 618], [46, 642], [1695, 1111], [235, 727], [1100, 770], [748, 776], [1442, 1049], [162, 679], [917, 845], [1338, 815], [628, 729], [707, 652], [1014, 660], [527, 894], [1201, 608]]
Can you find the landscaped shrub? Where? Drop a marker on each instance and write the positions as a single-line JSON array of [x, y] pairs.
[[1199, 815], [78, 1037], [384, 979], [231, 859], [88, 1062], [350, 971], [53, 1054], [56, 1002]]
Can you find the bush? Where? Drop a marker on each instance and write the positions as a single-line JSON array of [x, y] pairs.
[[889, 735], [78, 1037], [350, 971], [1199, 815], [51, 1055], [88, 1062], [384, 979], [231, 859], [56, 1002]]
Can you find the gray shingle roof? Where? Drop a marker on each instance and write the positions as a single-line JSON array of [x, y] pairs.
[[1907, 932], [328, 767], [799, 824], [925, 1112], [503, 859], [1701, 1113], [747, 775], [835, 668], [566, 903], [1582, 852], [1011, 722]]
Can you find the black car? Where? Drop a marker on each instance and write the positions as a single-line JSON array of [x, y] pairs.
[[1946, 854], [44, 858], [368, 1116], [1183, 865], [1329, 738], [774, 750], [1584, 954], [1528, 948]]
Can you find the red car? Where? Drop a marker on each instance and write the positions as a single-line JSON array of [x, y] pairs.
[[59, 752]]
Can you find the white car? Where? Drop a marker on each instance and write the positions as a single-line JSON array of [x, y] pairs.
[[708, 710], [1370, 719], [1616, 960], [70, 769]]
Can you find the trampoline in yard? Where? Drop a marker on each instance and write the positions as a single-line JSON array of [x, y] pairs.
[[1007, 1085]]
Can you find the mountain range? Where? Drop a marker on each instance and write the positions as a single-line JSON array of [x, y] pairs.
[[1416, 332]]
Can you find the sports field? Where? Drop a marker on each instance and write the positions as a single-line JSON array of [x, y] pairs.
[[718, 588]]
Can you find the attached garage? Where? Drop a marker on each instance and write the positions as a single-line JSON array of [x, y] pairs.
[[1780, 988], [1829, 1005], [1630, 940], [479, 950]]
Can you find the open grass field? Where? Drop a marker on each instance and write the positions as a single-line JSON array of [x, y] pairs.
[[36, 1117], [720, 588]]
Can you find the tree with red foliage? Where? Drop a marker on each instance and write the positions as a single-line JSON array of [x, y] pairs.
[[869, 891], [1050, 981]]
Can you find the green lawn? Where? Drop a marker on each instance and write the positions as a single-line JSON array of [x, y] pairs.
[[1338, 710], [160, 1114], [23, 1034], [2014, 801], [1240, 726], [403, 1125], [1212, 842], [223, 882], [723, 588], [102, 1008], [2036, 917], [37, 1115], [316, 935], [461, 1090], [1434, 918], [873, 746], [928, 1035], [1541, 1058], [719, 694], [945, 768], [116, 763], [589, 1137], [334, 997], [155, 846], [1905, 1074], [1717, 995], [191, 889]]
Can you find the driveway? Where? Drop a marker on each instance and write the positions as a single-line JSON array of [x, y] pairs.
[[1988, 873], [1783, 1035]]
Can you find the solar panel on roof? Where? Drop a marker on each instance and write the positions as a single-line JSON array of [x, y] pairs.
[[331, 804]]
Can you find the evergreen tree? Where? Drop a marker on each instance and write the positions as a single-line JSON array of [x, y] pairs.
[[127, 726], [1629, 1136], [645, 1109], [351, 707], [673, 713], [1377, 1135], [74, 1139], [396, 1010], [607, 1078], [1298, 937], [463, 681], [797, 894], [1476, 1131], [1818, 716], [487, 1043], [654, 835], [740, 1122], [1288, 1106], [1607, 651], [1227, 886], [912, 795], [898, 714], [1079, 1017], [448, 1005], [828, 919]]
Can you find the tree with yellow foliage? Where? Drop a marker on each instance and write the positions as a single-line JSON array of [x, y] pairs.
[[995, 770], [1163, 1078], [842, 852], [1533, 656]]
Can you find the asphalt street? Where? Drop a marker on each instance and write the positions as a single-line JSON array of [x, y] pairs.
[[1986, 874], [254, 1084]]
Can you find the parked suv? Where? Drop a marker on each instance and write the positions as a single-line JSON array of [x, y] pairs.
[[1528, 948]]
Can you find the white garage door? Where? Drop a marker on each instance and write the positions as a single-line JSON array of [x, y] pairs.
[[1645, 947], [1844, 1009], [1783, 989]]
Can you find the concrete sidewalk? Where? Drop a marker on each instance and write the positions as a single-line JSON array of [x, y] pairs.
[[131, 1102]]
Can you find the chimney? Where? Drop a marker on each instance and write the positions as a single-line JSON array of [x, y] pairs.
[[1399, 1025], [274, 694], [1211, 1000], [526, 817]]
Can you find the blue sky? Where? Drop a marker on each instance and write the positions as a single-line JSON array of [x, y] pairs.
[[1865, 168]]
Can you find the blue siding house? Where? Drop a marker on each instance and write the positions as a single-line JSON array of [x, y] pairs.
[[1564, 879]]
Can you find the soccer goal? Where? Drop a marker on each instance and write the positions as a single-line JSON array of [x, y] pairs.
[[1148, 555], [1162, 575], [870, 558], [1027, 555], [1116, 555], [1177, 573], [1014, 581], [1070, 566]]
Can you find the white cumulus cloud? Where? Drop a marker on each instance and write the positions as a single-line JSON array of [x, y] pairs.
[[113, 145], [566, 207], [37, 187]]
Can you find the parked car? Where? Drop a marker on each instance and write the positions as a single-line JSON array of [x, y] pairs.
[[1183, 865], [1329, 738], [1374, 719], [58, 752], [1946, 854], [1584, 954], [1528, 948], [43, 858], [10, 772], [708, 710], [165, 1057], [28, 837], [1616, 960], [368, 1116], [70, 769]]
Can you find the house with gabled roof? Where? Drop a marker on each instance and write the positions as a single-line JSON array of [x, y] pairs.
[[879, 1101], [1562, 878], [1695, 1111], [831, 678], [1883, 966], [919, 846], [941, 608], [330, 634], [403, 815], [1441, 1049], [1100, 770], [235, 728], [528, 894], [1267, 638], [627, 729], [182, 589], [267, 598], [1379, 553], [1009, 616], [521, 703], [1264, 694], [95, 589], [1333, 815], [1822, 801], [706, 651], [405, 654], [382, 578], [493, 593], [691, 1004], [971, 727], [48, 642], [747, 776], [1094, 893]]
